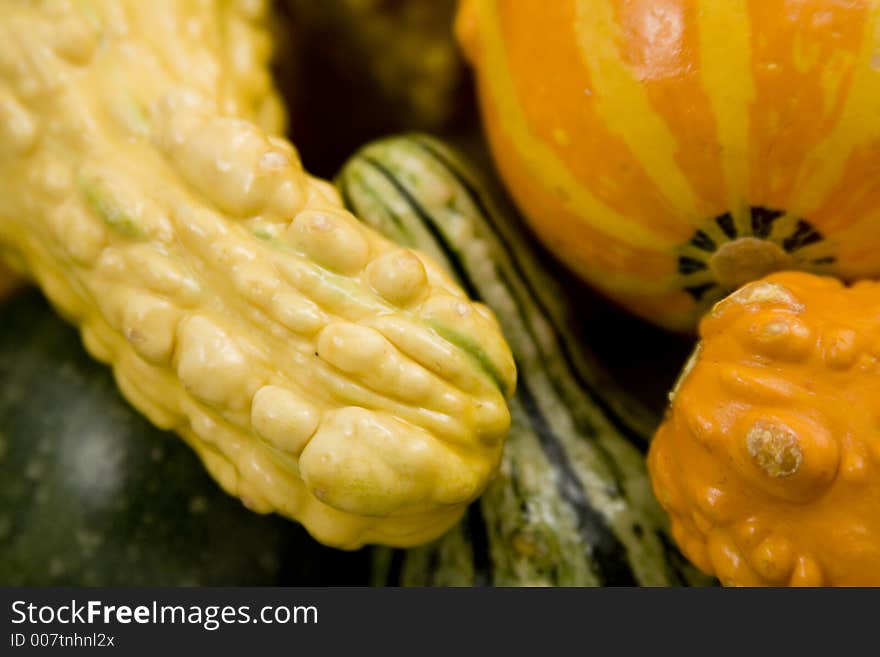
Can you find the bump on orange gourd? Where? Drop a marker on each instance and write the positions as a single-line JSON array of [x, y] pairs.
[[671, 150], [768, 461]]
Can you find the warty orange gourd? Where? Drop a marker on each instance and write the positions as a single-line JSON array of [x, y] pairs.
[[768, 460]]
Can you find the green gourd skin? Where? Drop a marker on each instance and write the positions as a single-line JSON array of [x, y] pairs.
[[91, 494], [571, 505]]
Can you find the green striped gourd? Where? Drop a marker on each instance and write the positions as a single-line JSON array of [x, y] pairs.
[[572, 504]]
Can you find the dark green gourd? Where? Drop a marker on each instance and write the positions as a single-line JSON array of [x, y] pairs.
[[572, 503]]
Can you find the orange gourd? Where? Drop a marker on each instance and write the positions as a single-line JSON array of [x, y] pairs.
[[671, 150], [768, 462]]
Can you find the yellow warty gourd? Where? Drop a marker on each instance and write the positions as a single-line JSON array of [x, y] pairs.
[[318, 370]]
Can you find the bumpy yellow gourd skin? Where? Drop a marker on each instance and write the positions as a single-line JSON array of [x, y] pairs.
[[768, 460], [318, 370]]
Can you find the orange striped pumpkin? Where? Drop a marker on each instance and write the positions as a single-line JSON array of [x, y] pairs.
[[672, 150]]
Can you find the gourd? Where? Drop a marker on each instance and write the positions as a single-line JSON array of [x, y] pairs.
[[768, 460], [318, 370], [571, 504], [91, 494], [670, 153]]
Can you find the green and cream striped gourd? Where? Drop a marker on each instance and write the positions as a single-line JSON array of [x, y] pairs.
[[572, 504]]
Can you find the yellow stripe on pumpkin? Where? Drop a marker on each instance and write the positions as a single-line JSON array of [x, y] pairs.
[[827, 167], [724, 36], [662, 46], [621, 101], [802, 64], [551, 171]]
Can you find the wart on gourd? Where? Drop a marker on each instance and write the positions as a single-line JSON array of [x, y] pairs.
[[774, 448]]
